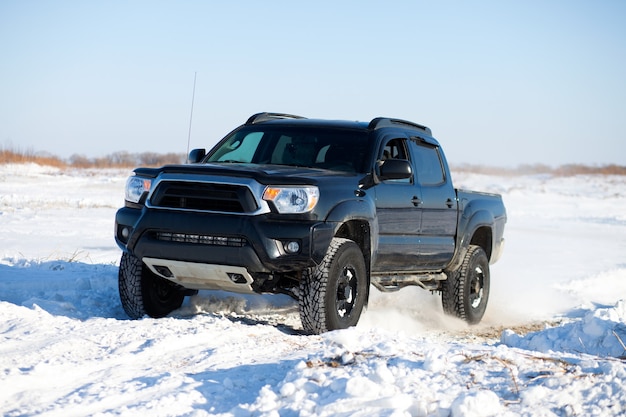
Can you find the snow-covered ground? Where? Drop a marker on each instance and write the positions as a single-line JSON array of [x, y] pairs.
[[551, 343]]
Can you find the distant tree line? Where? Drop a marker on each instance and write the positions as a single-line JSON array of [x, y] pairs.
[[115, 160], [567, 170], [127, 159]]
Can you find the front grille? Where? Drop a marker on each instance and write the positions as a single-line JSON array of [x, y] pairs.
[[202, 196], [201, 239]]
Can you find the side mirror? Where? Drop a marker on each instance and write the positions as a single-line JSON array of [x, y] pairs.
[[196, 155], [395, 169]]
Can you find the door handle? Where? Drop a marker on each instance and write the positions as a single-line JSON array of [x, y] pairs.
[[449, 203], [416, 201]]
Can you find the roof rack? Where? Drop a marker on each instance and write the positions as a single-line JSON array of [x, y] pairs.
[[388, 122], [264, 117]]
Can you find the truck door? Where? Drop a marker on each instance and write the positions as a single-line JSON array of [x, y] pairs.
[[397, 203], [438, 207]]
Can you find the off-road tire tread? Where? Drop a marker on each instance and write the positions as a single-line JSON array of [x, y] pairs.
[[313, 287], [453, 288], [129, 283], [137, 290]]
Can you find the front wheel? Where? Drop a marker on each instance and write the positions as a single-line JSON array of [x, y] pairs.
[[333, 294], [142, 292], [466, 291]]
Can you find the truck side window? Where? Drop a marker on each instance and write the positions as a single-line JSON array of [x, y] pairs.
[[428, 165], [396, 149]]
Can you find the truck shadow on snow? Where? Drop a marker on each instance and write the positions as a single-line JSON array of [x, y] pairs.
[[82, 291], [230, 390], [61, 288]]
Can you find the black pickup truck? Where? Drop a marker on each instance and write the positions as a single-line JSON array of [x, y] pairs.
[[317, 209]]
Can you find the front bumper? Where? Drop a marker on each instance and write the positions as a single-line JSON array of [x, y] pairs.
[[255, 243]]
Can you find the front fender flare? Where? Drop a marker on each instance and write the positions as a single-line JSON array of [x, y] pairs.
[[359, 210]]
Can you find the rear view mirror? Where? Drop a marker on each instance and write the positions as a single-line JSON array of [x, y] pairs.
[[196, 155], [395, 169]]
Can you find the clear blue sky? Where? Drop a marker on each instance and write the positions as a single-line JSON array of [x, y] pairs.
[[499, 82]]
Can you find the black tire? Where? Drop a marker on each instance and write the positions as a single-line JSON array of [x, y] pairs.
[[143, 292], [466, 291], [332, 295]]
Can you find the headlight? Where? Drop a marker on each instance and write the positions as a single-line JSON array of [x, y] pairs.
[[136, 187], [292, 199]]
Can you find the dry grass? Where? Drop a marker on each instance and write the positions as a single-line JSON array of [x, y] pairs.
[[12, 157], [114, 160]]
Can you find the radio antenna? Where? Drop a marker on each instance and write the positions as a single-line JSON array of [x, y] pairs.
[[193, 96]]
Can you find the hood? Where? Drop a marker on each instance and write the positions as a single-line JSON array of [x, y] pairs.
[[264, 174]]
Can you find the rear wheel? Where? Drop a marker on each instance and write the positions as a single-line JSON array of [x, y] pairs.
[[466, 291], [142, 292], [332, 295]]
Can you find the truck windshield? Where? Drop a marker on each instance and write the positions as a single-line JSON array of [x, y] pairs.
[[341, 150]]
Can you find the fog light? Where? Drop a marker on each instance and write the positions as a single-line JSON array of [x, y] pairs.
[[125, 232], [291, 247]]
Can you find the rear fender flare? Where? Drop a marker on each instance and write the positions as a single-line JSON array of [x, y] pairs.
[[465, 232]]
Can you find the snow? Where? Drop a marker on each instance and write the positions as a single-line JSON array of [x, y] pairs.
[[551, 343]]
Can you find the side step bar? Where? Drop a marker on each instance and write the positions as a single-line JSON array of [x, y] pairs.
[[389, 283]]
